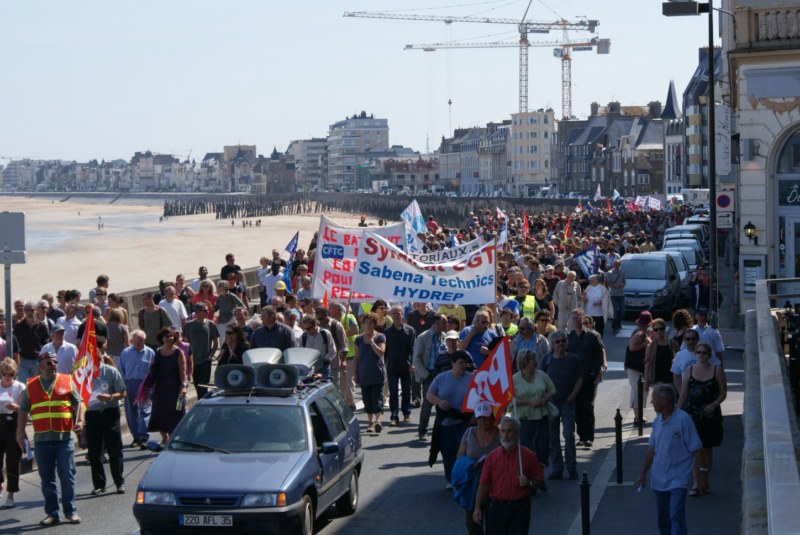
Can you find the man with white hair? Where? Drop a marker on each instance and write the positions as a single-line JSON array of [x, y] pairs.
[[134, 365], [567, 297], [510, 475]]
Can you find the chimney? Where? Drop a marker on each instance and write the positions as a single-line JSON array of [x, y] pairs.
[[595, 109], [654, 108]]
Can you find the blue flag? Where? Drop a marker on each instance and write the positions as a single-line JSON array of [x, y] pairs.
[[587, 260], [290, 248]]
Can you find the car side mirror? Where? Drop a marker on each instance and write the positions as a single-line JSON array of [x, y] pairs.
[[329, 448]]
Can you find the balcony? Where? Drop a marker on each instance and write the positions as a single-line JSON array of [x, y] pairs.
[[770, 27]]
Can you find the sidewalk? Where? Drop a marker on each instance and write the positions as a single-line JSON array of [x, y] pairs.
[[621, 509]]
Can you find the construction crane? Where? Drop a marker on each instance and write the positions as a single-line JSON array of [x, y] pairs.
[[524, 27], [563, 51]]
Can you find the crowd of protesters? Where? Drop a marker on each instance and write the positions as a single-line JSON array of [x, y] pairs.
[[400, 355]]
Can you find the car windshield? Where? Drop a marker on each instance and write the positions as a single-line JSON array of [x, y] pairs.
[[645, 269], [690, 254], [680, 261], [241, 429]]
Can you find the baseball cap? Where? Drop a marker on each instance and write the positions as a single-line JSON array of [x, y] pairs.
[[58, 328], [483, 409], [280, 285], [451, 335]]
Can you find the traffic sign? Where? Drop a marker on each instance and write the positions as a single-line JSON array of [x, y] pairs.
[[725, 220], [725, 201]]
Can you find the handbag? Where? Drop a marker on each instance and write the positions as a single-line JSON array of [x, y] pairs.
[[552, 410]]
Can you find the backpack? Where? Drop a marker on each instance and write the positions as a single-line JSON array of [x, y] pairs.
[[304, 339]]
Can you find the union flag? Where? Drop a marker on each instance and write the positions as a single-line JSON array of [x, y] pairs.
[[492, 383], [87, 366]]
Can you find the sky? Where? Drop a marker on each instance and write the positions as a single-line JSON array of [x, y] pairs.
[[103, 79]]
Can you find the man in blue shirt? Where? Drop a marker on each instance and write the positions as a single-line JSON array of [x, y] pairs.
[[476, 338], [674, 445], [134, 365]]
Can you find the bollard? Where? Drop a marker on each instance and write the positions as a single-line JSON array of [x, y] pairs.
[[585, 524], [618, 432], [640, 407]]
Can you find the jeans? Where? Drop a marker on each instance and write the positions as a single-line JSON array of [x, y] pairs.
[[534, 435], [201, 375], [403, 381], [584, 409], [56, 456], [136, 414], [450, 441], [563, 423], [618, 302], [27, 368], [103, 435], [425, 409], [671, 511]]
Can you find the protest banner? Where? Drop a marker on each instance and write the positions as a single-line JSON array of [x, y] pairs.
[[335, 259], [453, 253], [587, 260], [384, 271]]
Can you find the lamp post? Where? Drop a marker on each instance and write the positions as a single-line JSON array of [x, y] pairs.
[[672, 9]]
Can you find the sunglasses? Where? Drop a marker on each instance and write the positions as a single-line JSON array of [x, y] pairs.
[[701, 353], [658, 328], [8, 374], [691, 339], [562, 341]]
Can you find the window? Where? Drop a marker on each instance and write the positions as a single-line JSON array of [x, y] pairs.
[[331, 417]]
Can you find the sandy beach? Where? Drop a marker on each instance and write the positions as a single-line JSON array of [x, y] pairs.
[[66, 250]]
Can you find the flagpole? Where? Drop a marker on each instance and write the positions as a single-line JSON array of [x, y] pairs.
[[519, 433]]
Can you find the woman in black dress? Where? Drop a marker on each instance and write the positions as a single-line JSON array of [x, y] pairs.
[[168, 378], [703, 390]]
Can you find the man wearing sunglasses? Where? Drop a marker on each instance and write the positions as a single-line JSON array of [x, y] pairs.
[[56, 411], [565, 370]]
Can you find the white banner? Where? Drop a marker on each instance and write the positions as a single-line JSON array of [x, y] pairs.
[[335, 259], [453, 253], [386, 272], [722, 136]]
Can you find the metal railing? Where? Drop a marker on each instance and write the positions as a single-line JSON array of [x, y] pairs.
[[780, 461]]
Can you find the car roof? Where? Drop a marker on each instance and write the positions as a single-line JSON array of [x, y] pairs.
[[642, 256]]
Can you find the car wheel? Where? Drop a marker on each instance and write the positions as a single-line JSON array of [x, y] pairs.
[[305, 524], [347, 504]]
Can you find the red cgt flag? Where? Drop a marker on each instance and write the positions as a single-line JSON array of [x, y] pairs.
[[87, 366], [525, 222], [492, 382]]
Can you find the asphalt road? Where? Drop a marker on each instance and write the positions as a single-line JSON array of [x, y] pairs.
[[399, 493]]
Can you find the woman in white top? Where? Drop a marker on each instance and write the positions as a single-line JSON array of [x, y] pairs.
[[10, 392], [597, 303]]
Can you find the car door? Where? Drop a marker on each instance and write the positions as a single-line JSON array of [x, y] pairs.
[[332, 463]]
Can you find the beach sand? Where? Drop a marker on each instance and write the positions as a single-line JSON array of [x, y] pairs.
[[65, 249]]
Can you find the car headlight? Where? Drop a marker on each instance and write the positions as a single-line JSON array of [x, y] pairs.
[[155, 498], [264, 499], [661, 293]]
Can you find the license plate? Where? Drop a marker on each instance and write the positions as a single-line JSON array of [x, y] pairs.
[[637, 302], [212, 521]]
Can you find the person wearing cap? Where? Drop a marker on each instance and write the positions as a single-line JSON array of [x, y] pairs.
[[56, 409], [65, 352], [567, 297], [279, 289], [634, 359], [509, 477], [362, 222], [448, 391], [708, 334], [268, 281], [478, 441], [427, 348], [103, 432]]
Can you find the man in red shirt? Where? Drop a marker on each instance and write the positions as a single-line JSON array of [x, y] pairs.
[[508, 483]]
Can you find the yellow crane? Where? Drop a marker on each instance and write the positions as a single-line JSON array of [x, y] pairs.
[[563, 51], [524, 27]]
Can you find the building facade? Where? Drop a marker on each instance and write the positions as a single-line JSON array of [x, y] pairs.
[[311, 158], [529, 151], [350, 142], [762, 61]]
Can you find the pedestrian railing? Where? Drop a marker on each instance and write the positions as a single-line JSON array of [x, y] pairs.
[[780, 459]]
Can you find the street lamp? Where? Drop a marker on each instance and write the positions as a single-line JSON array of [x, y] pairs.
[[673, 9], [750, 232]]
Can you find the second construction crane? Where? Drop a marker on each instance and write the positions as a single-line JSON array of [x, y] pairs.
[[563, 50], [524, 27]]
